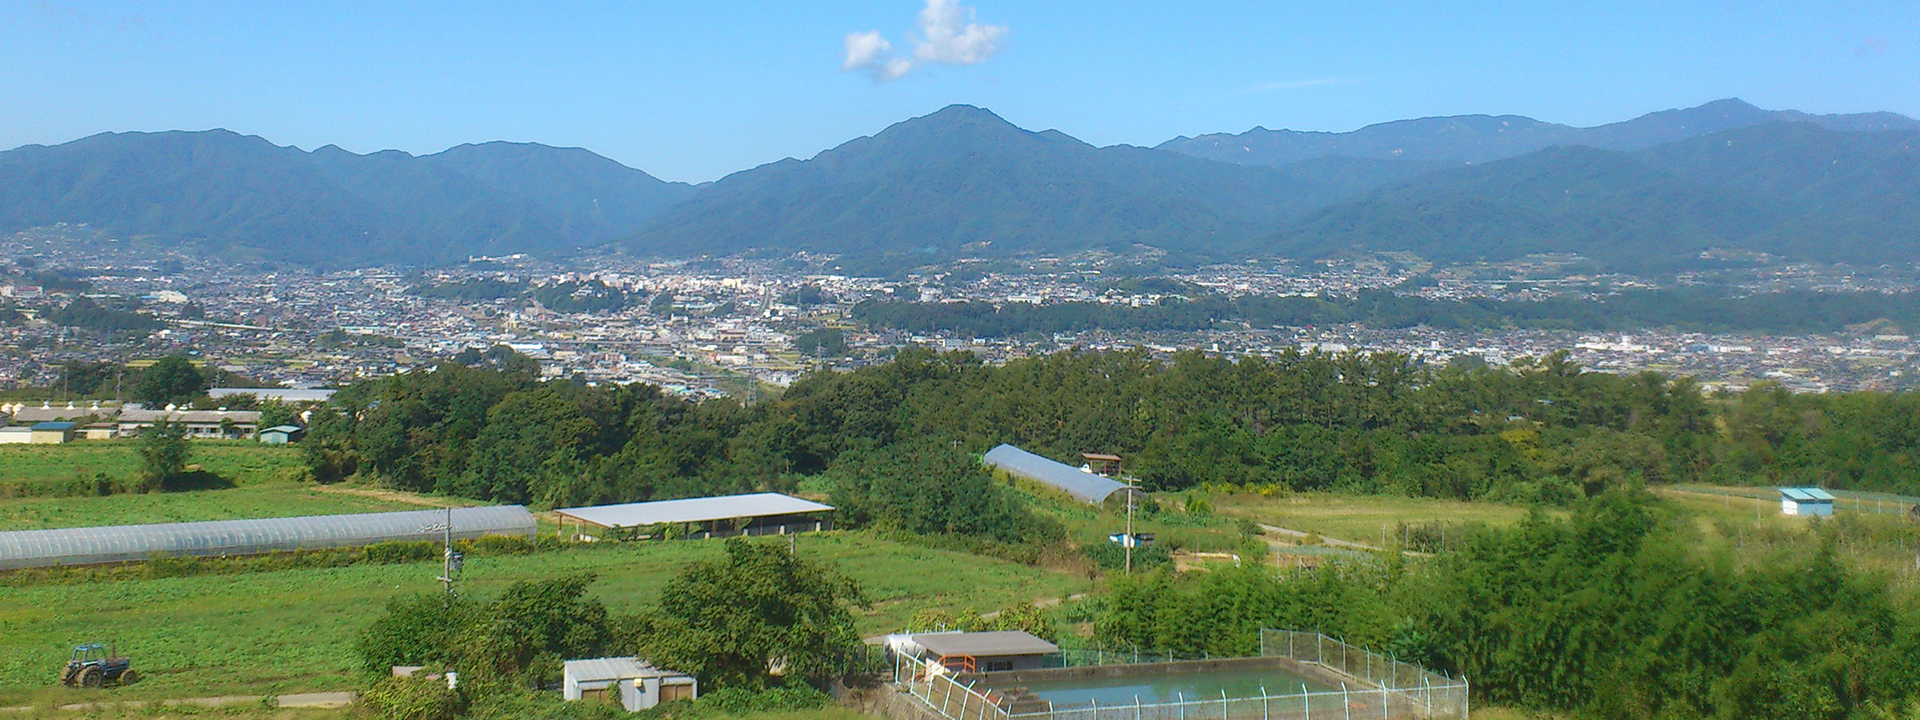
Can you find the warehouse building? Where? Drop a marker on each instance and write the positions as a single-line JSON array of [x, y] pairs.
[[698, 518]]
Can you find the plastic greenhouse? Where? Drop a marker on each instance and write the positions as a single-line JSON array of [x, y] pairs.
[[1088, 487], [121, 543]]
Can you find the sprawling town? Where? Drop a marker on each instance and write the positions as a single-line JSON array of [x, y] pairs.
[[739, 326]]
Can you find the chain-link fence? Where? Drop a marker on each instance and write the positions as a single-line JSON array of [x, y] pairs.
[[1380, 687], [1768, 499], [953, 699], [1423, 692]]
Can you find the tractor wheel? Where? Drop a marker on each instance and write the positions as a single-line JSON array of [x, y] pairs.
[[92, 677], [129, 677]]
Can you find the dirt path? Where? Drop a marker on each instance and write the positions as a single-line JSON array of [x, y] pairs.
[[393, 496], [321, 700]]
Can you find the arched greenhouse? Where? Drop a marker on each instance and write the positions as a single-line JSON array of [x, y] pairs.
[[121, 543]]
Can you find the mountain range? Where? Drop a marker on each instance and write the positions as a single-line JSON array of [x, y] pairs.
[[1480, 138], [1647, 194], [240, 196]]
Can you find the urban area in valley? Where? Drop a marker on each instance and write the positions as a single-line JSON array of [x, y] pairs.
[[706, 327]]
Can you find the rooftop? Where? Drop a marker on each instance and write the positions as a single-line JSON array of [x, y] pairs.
[[1811, 494], [989, 644], [613, 668], [725, 507]]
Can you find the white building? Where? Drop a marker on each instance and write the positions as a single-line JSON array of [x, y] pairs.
[[1807, 502], [636, 684]]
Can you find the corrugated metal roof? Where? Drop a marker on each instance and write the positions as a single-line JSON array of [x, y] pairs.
[[1081, 484], [613, 668], [122, 543], [989, 644], [704, 509], [1809, 494]]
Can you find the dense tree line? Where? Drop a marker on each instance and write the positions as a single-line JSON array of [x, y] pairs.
[[1685, 309], [1537, 430], [578, 297], [87, 314], [1610, 613]]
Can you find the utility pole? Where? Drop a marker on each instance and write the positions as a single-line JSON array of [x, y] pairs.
[[450, 560], [1130, 539]]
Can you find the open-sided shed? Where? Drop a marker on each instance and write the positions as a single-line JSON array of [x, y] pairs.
[[723, 516]]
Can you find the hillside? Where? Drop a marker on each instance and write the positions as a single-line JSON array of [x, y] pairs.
[[1481, 138], [1793, 189], [219, 191], [962, 178]]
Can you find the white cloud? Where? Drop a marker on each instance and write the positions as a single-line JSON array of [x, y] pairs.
[[869, 53], [948, 35]]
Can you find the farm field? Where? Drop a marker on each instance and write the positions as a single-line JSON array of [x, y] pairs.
[[1361, 518], [267, 481], [294, 631], [240, 461], [1750, 527]]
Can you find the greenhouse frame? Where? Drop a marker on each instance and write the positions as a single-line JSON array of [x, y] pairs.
[[124, 543]]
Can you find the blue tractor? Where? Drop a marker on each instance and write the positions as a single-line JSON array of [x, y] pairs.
[[94, 665]]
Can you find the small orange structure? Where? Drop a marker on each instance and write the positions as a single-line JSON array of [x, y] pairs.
[[1103, 464]]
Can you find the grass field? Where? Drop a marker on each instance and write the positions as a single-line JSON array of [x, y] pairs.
[[240, 461], [293, 631], [1361, 518], [267, 482]]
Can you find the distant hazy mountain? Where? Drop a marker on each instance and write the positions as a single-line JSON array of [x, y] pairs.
[[1480, 138], [1794, 189], [962, 178], [1646, 194], [243, 196]]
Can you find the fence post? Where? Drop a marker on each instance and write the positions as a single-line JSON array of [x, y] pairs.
[[1182, 707], [1263, 702], [1306, 701], [1346, 703], [1429, 693], [1136, 707], [1223, 704]]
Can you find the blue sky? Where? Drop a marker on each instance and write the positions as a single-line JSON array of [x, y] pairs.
[[695, 90]]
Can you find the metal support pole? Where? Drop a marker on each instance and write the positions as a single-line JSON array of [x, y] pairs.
[[1346, 704], [1263, 702], [1136, 707], [1306, 701]]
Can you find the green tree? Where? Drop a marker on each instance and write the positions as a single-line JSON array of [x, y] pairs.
[[163, 454], [735, 620], [171, 381]]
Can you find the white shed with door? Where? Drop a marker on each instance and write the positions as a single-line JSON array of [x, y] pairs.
[[633, 683]]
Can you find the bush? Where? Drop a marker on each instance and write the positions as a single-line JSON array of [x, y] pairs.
[[414, 698], [1113, 557]]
